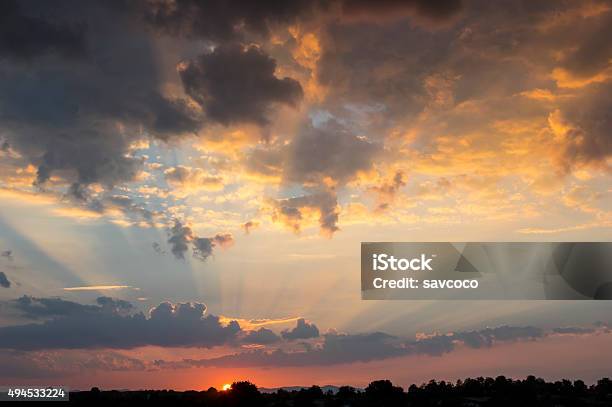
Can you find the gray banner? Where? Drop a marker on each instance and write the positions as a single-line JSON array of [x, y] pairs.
[[486, 271], [34, 393]]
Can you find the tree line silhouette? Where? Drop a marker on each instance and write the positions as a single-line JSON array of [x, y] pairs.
[[499, 391]]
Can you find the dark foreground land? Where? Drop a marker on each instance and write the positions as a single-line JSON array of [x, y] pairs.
[[471, 392]]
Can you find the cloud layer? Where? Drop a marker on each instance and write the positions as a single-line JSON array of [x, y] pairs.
[[112, 324]]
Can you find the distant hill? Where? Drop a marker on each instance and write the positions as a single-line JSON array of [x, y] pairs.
[[325, 389]]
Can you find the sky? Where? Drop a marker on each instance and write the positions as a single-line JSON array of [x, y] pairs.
[[185, 186]]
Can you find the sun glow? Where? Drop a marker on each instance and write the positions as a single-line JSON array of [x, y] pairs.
[[226, 387]]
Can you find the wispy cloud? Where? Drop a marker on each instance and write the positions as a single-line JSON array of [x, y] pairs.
[[100, 288], [250, 324]]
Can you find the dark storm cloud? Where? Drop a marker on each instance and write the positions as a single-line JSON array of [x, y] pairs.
[[4, 281], [221, 20], [261, 336], [78, 117], [181, 238], [594, 51], [390, 9], [369, 69], [236, 84], [589, 119], [302, 330], [111, 324], [26, 36], [391, 73]]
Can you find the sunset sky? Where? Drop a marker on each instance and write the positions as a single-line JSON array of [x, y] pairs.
[[184, 186]]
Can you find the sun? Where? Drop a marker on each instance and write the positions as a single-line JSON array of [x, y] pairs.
[[226, 387]]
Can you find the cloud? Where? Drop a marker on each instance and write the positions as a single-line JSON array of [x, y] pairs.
[[593, 53], [25, 36], [573, 330], [267, 162], [97, 287], [47, 365], [18, 364], [181, 237], [329, 151], [290, 211], [157, 248], [250, 225], [581, 197], [387, 190], [230, 93], [252, 324], [363, 10], [44, 308], [261, 336], [220, 20], [203, 246], [108, 362], [302, 330], [335, 349], [351, 348], [7, 254], [435, 89], [582, 127], [81, 202], [125, 204], [320, 159], [77, 119], [223, 239], [192, 179], [113, 324], [487, 337], [4, 281]]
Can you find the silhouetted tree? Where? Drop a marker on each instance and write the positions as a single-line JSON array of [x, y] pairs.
[[474, 392], [383, 392], [244, 394]]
